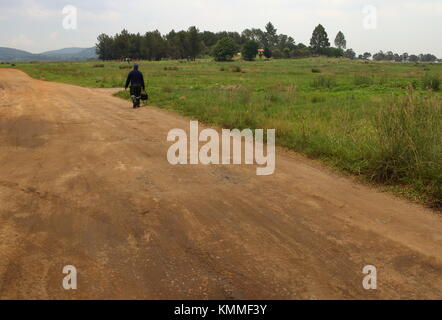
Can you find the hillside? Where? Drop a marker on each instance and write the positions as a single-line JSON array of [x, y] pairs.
[[66, 54]]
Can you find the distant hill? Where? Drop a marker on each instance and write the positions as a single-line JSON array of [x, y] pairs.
[[66, 54]]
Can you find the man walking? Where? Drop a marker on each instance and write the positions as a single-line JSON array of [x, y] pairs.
[[136, 81]]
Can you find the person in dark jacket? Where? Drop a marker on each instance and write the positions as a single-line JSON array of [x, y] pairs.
[[136, 81]]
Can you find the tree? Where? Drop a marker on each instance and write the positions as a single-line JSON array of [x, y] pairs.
[[366, 56], [350, 54], [427, 57], [121, 45], [405, 56], [267, 53], [250, 50], [225, 49], [340, 41], [209, 38], [413, 58], [285, 42], [301, 51], [397, 58], [254, 34], [379, 56], [271, 36], [319, 40], [195, 44], [389, 56], [104, 47]]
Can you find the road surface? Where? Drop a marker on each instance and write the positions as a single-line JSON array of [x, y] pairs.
[[84, 181]]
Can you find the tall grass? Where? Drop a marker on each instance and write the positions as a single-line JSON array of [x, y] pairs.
[[325, 82], [409, 134], [431, 82]]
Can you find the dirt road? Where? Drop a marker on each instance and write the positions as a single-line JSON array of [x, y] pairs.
[[84, 181]]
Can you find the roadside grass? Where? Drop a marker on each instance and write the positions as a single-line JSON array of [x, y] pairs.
[[379, 121]]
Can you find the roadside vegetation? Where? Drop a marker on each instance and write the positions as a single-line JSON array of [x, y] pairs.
[[380, 121]]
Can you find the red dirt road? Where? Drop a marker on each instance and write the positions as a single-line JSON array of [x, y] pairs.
[[84, 181]]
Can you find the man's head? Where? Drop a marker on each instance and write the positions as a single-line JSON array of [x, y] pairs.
[[136, 67]]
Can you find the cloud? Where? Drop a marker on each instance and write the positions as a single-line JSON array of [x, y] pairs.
[[403, 25]]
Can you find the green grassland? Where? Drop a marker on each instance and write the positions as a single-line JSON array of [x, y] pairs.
[[379, 121]]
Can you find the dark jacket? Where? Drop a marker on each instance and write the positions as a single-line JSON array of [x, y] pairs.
[[135, 78]]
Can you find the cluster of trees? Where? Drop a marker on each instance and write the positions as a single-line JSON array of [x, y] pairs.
[[223, 46], [405, 57], [251, 41], [150, 46], [193, 43]]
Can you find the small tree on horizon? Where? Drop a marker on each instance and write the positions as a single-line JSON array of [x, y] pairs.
[[340, 41], [350, 54], [225, 49], [250, 50], [319, 40], [367, 55]]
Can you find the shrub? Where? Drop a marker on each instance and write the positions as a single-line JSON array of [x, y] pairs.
[[332, 52], [236, 69], [225, 49], [277, 54], [250, 50], [314, 70], [98, 65]]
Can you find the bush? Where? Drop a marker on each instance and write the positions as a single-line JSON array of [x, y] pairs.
[[332, 52], [225, 49], [98, 65], [314, 70], [236, 69], [250, 50], [431, 82], [278, 54]]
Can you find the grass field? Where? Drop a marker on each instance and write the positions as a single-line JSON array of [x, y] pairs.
[[379, 121]]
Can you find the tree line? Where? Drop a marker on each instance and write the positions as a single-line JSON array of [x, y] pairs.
[[223, 46]]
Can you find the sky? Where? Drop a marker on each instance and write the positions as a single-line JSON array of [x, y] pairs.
[[412, 26]]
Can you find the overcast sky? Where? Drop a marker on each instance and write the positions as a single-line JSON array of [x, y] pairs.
[[412, 26]]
